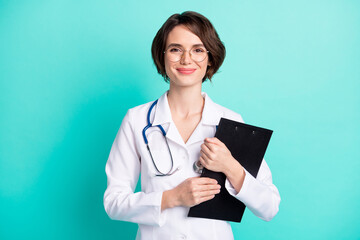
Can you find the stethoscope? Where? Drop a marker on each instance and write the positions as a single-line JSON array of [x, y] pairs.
[[197, 169]]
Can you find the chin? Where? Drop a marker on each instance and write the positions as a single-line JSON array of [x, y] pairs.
[[183, 83]]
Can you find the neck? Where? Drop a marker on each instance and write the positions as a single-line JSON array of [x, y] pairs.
[[185, 102]]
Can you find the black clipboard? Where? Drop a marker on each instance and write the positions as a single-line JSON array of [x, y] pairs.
[[247, 145]]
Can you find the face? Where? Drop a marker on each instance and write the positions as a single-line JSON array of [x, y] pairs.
[[185, 72]]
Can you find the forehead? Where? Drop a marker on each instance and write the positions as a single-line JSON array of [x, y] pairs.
[[183, 36]]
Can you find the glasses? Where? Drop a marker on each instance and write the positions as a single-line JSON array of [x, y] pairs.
[[174, 54]]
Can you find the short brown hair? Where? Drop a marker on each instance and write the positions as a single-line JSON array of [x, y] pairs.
[[201, 27]]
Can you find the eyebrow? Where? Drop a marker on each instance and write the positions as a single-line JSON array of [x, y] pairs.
[[179, 45]]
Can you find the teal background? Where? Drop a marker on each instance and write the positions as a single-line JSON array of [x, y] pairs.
[[69, 70]]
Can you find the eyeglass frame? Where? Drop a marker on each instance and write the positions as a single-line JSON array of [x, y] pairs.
[[185, 50]]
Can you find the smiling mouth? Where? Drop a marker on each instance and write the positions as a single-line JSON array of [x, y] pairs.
[[186, 70]]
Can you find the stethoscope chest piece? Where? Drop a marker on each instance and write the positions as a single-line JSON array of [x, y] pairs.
[[197, 167]]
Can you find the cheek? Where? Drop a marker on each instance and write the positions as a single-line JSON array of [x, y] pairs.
[[203, 69], [167, 67]]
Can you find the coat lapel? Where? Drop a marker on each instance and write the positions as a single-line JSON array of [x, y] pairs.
[[209, 120], [162, 116]]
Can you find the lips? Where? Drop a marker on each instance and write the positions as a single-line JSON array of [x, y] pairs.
[[186, 70]]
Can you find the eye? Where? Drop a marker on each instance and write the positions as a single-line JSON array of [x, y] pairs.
[[199, 50], [175, 50]]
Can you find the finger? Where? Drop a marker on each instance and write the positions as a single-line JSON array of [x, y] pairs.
[[210, 146], [205, 180], [206, 187], [209, 190], [214, 140], [207, 193], [217, 141], [206, 162], [205, 155], [203, 161], [206, 190], [207, 198], [207, 148], [214, 147]]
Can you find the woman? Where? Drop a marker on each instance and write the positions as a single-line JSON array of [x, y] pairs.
[[186, 52]]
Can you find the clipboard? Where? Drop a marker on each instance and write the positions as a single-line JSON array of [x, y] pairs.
[[247, 145]]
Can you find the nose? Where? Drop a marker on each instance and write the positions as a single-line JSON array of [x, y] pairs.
[[185, 58]]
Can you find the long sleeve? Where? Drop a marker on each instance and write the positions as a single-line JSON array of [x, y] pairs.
[[259, 194], [122, 170]]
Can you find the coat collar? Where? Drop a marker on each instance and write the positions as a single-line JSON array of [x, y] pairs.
[[162, 111], [210, 116]]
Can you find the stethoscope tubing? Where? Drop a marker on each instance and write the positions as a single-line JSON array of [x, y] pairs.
[[197, 169]]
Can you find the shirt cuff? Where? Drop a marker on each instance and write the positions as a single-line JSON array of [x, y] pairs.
[[241, 195], [160, 215]]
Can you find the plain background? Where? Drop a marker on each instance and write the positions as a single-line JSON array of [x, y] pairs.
[[69, 70]]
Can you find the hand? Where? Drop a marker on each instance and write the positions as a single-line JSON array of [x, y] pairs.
[[215, 156], [190, 192]]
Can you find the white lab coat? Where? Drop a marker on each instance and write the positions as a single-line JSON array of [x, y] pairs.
[[129, 157]]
